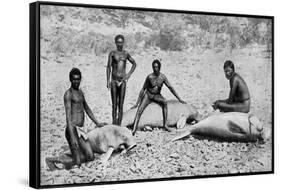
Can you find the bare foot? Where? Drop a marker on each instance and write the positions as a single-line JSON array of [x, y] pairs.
[[168, 129], [133, 133]]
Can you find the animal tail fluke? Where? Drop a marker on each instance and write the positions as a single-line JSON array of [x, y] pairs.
[[185, 134]]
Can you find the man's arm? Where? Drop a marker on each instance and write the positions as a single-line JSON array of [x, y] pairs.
[[141, 93], [134, 65], [233, 90], [67, 105], [89, 112], [171, 88], [108, 70]]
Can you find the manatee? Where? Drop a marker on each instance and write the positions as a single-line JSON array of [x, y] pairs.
[[152, 115], [231, 126], [103, 140]]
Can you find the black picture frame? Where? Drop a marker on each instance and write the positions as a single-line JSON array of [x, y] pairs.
[[35, 86]]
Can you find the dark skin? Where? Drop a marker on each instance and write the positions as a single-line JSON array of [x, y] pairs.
[[75, 105], [116, 69], [151, 92], [239, 96]]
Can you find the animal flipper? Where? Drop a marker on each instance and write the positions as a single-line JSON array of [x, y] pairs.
[[185, 134], [233, 127], [181, 121]]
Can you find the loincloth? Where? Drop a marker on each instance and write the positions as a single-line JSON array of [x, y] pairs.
[[117, 82], [152, 96], [81, 133]]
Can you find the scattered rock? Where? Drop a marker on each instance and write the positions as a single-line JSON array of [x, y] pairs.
[[237, 159], [175, 156], [149, 165], [207, 157], [233, 171], [148, 128], [169, 159], [69, 181], [171, 173], [244, 148], [180, 169]]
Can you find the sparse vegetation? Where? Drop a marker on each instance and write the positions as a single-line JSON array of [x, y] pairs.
[[67, 30]]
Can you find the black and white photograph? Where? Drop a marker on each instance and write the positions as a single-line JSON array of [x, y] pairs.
[[139, 94]]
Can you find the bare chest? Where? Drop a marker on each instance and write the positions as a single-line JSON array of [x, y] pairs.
[[119, 57], [156, 81], [77, 98]]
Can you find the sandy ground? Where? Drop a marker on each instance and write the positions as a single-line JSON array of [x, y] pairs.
[[197, 77]]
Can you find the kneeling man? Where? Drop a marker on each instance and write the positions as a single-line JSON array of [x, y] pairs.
[[75, 105]]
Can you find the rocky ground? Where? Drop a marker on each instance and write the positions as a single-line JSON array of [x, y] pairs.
[[197, 77]]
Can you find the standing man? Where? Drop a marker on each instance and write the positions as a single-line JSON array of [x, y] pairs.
[[116, 69], [239, 96], [151, 92]]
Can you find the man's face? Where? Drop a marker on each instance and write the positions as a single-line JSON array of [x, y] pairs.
[[75, 81], [119, 43], [156, 68], [228, 71]]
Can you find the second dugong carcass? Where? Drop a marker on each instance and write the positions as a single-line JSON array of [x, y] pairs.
[[231, 126], [152, 115], [102, 140]]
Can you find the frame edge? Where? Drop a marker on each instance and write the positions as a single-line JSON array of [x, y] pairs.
[[34, 158]]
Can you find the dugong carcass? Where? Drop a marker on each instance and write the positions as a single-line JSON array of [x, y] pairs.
[[152, 115], [102, 140], [231, 126]]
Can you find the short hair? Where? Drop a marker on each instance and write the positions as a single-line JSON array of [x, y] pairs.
[[118, 37], [228, 63], [157, 62], [74, 71]]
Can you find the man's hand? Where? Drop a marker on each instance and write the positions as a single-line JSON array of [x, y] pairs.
[[126, 78], [101, 124], [216, 105], [134, 132], [108, 85], [181, 101], [134, 106]]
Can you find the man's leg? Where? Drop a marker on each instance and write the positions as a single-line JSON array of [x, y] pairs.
[[122, 92], [66, 160], [75, 152], [145, 101], [114, 101], [235, 107], [163, 103]]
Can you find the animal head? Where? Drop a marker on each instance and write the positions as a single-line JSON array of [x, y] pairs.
[[127, 138], [258, 129]]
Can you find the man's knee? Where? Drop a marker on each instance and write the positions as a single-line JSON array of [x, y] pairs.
[[120, 108], [164, 103], [245, 109], [114, 107], [89, 155]]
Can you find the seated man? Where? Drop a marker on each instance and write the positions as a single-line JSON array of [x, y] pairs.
[[75, 105], [239, 96], [151, 92]]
